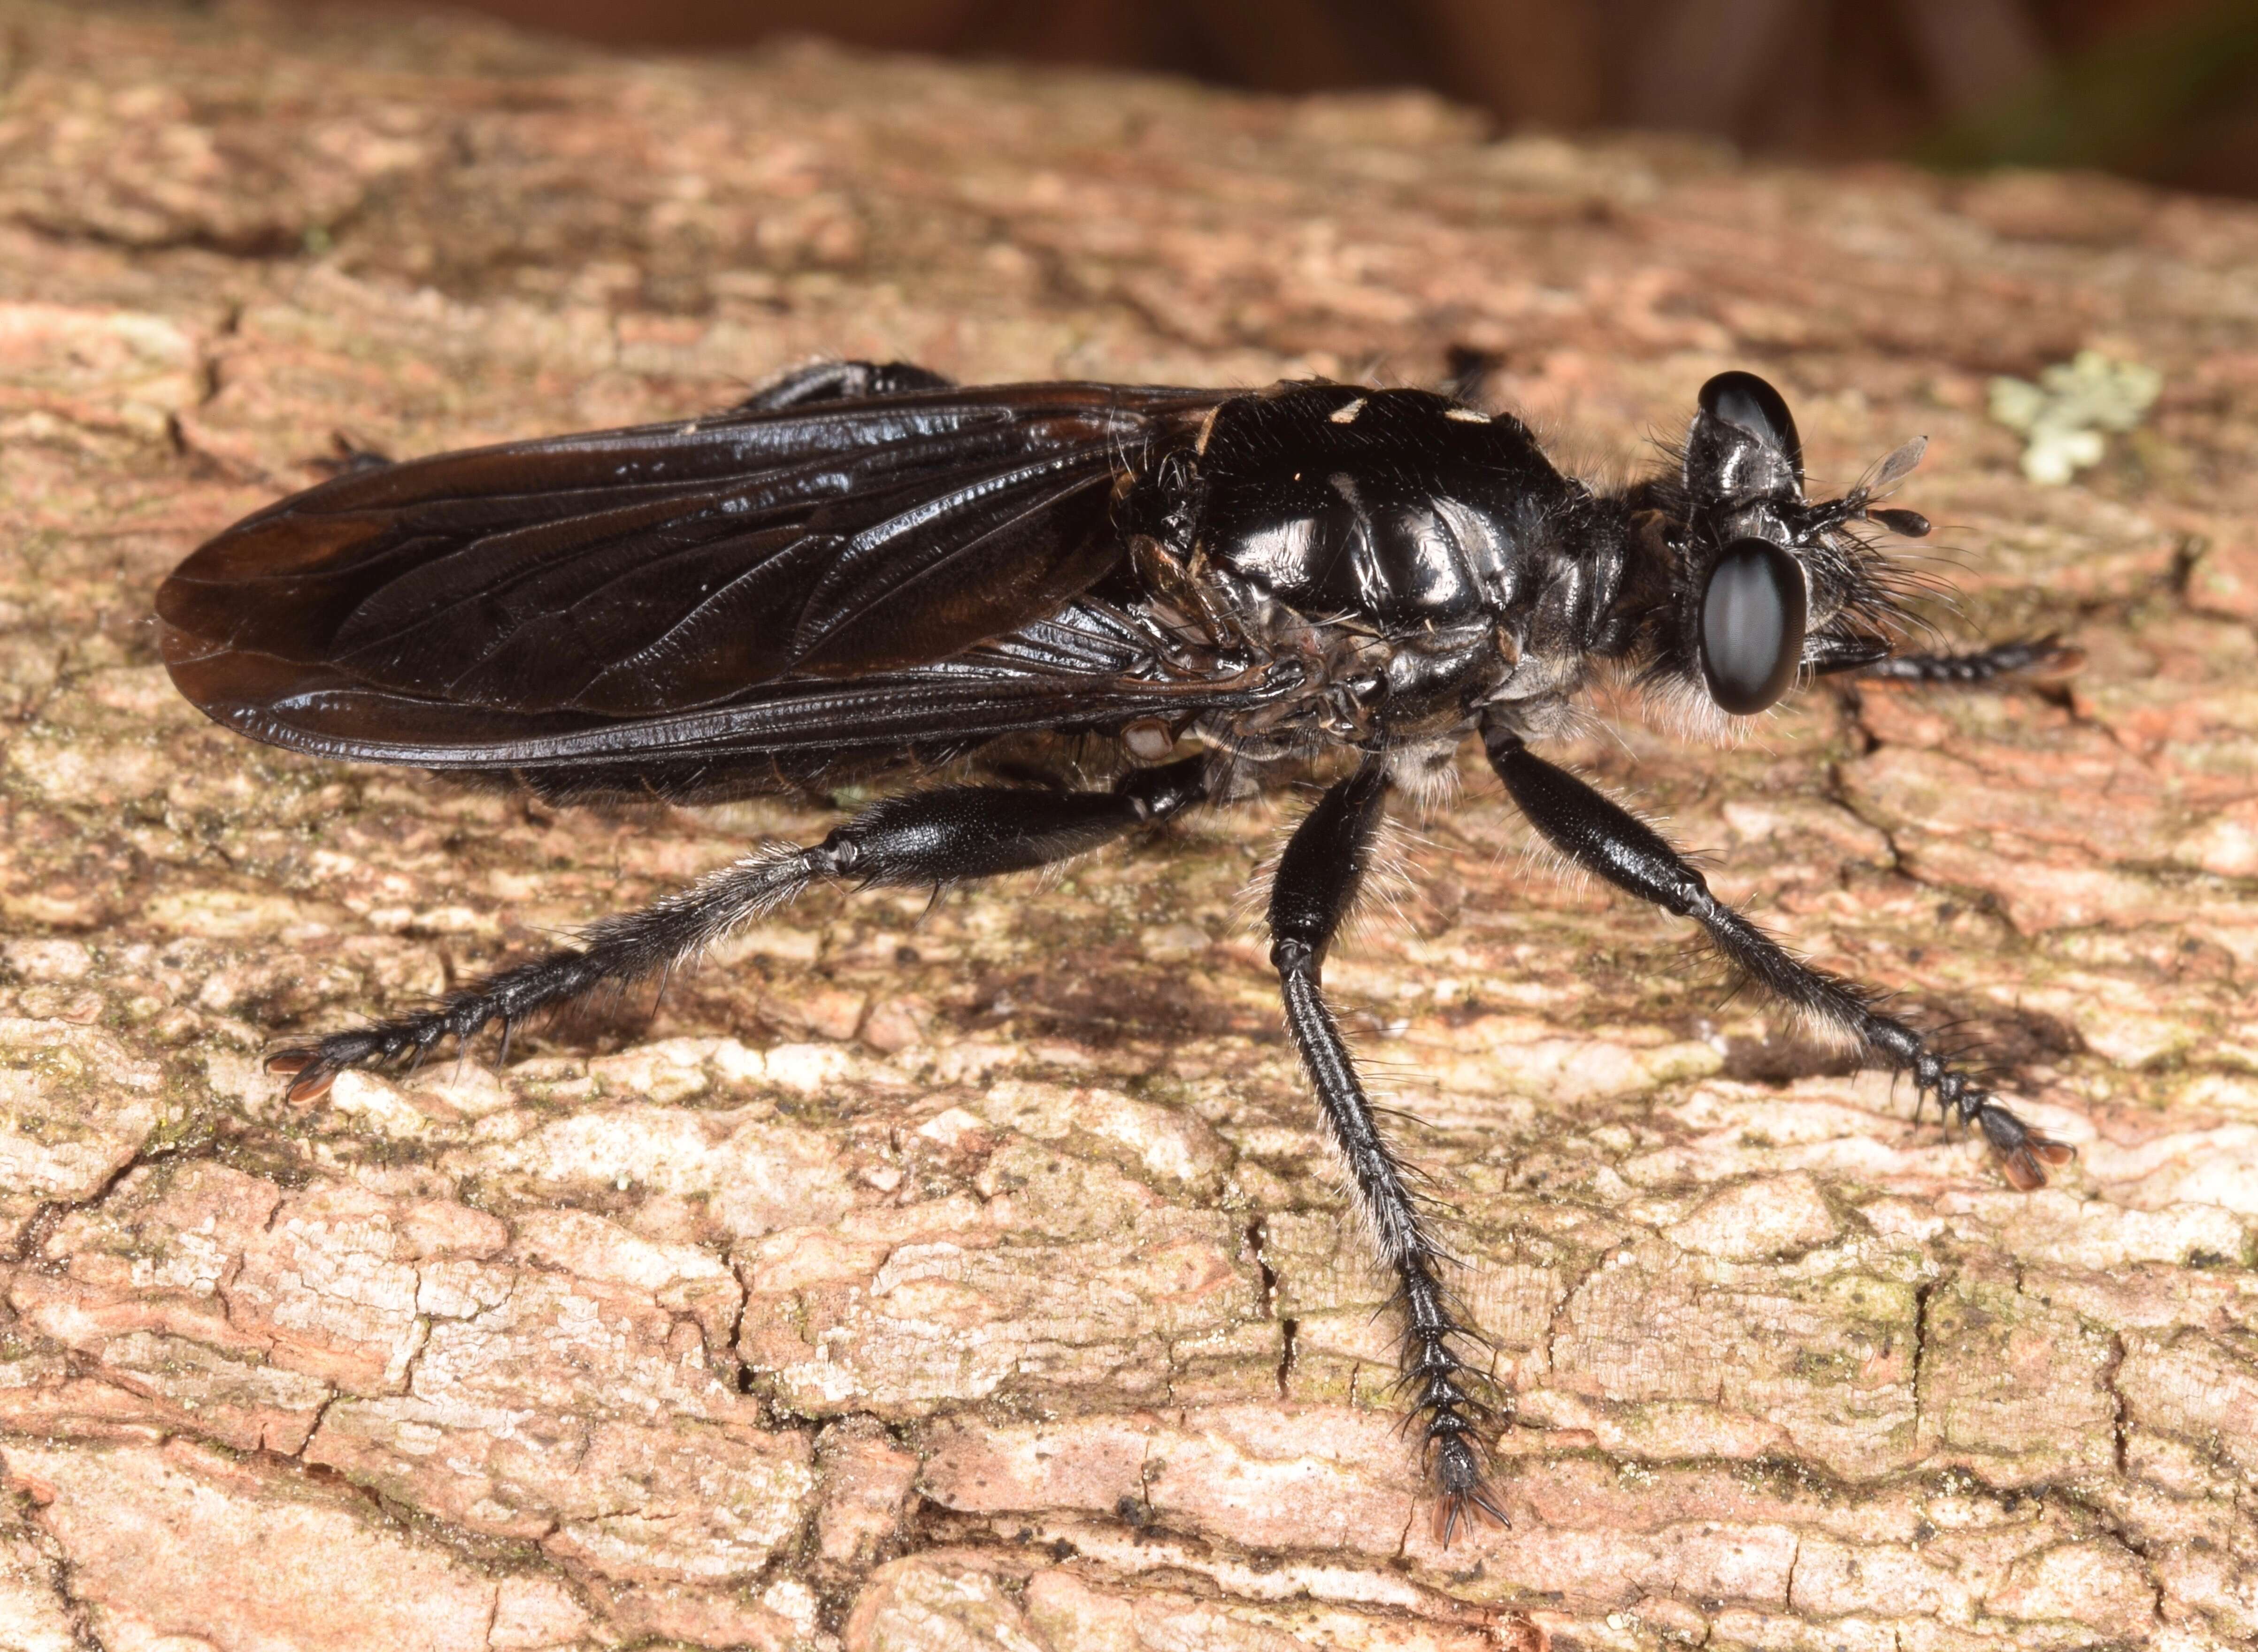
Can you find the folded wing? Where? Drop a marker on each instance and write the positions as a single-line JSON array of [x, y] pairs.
[[858, 572]]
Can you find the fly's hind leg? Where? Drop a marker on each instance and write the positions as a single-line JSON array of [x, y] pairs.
[[841, 381], [1316, 880], [944, 836]]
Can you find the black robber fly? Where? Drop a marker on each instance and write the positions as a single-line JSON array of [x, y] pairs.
[[868, 571]]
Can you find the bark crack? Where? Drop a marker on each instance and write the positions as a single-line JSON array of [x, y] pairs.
[[745, 1374], [1258, 1235], [33, 1236], [314, 1428], [2119, 1418], [1920, 1295]]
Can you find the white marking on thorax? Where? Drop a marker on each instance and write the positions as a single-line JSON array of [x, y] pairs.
[[1465, 415], [1346, 414]]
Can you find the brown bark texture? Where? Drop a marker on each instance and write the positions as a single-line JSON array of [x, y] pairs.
[[976, 1277]]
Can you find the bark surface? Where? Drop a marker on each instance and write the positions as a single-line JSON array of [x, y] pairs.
[[976, 1277]]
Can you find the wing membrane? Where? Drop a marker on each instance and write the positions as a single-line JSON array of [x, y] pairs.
[[751, 582]]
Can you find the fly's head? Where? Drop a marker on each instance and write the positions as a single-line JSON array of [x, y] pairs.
[[1751, 585]]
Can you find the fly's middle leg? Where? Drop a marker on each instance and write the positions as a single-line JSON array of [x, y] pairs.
[[1316, 880]]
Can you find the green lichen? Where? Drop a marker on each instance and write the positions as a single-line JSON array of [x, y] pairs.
[[2062, 417]]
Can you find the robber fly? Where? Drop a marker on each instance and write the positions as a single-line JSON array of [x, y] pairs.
[[869, 570]]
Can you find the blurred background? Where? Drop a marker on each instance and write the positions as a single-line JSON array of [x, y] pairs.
[[2164, 90]]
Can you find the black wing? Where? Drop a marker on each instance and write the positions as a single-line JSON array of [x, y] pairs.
[[848, 573]]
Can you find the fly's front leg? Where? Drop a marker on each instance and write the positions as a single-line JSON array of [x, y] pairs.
[[1317, 882], [1606, 839], [944, 836]]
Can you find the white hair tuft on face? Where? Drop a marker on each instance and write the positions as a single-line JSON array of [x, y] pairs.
[[1681, 707]]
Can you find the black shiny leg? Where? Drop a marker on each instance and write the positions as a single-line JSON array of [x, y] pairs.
[[1316, 880], [1604, 838], [840, 381], [2047, 656], [944, 836]]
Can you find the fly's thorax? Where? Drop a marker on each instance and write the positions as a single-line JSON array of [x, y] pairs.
[[1366, 690], [1435, 682], [1395, 509], [1536, 700], [1420, 559]]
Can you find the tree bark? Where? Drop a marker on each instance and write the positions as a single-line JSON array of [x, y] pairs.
[[977, 1276]]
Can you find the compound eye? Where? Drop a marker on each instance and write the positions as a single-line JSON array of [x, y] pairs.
[[1752, 615], [1749, 403]]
